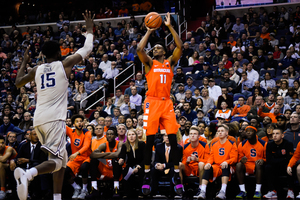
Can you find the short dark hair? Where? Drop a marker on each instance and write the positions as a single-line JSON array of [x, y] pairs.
[[75, 117], [50, 49], [162, 44], [113, 129]]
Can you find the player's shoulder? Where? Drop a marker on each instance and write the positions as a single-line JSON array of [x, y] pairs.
[[203, 144], [231, 142], [260, 141], [244, 142], [186, 145]]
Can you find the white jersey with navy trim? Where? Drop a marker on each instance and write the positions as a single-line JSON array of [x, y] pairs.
[[52, 84]]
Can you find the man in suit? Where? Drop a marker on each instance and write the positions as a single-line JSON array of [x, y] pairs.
[[30, 155], [163, 164], [95, 70]]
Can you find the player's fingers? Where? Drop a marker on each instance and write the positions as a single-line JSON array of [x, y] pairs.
[[93, 16], [27, 50], [84, 17]]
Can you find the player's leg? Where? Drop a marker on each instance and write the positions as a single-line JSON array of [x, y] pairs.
[[200, 173], [84, 169], [224, 180], [258, 177], [71, 170], [146, 188], [240, 173], [181, 170], [272, 176], [3, 167], [117, 171], [94, 173], [207, 174], [58, 178]]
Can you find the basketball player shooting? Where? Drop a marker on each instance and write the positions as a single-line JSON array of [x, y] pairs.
[[51, 111], [158, 107]]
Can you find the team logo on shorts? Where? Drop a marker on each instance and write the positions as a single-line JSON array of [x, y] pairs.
[[147, 105], [283, 151]]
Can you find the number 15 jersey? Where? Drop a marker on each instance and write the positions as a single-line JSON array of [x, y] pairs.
[[52, 84], [159, 79]]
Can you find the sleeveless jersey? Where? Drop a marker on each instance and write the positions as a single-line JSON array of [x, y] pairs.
[[109, 161], [52, 84], [159, 79]]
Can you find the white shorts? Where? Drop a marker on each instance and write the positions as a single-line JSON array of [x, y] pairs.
[[52, 136]]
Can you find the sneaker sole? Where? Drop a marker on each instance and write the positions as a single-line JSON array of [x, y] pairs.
[[22, 183]]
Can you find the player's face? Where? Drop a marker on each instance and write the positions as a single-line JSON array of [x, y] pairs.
[[158, 50], [250, 133], [222, 133], [277, 135], [78, 124], [110, 136], [131, 136], [194, 135], [99, 131]]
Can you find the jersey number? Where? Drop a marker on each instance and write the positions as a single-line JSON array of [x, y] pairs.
[[163, 78], [221, 151], [253, 153], [50, 81]]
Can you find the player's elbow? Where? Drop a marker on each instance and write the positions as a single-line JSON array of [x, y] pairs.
[[139, 48]]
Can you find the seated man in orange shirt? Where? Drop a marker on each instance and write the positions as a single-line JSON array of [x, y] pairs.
[[64, 50], [100, 137], [240, 110], [195, 155], [231, 41], [264, 34], [223, 154], [252, 155], [271, 115]]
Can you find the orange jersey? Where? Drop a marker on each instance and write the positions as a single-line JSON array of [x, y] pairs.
[[81, 143], [201, 152], [223, 152], [109, 161], [295, 157], [12, 156], [96, 142], [253, 152], [65, 51], [159, 79], [270, 107]]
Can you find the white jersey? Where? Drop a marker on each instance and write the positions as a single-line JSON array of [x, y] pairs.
[[52, 84]]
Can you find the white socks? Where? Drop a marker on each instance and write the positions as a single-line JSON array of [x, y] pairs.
[[75, 186], [258, 187], [147, 170], [84, 186], [223, 188], [176, 170], [56, 196], [203, 188], [33, 172], [242, 188], [116, 184], [94, 185]]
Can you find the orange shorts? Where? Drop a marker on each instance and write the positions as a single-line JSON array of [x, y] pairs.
[[191, 169], [159, 112], [106, 170], [217, 171], [76, 164], [250, 167]]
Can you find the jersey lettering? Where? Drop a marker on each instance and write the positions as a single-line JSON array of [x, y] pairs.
[[50, 81], [253, 153], [109, 163], [221, 151], [195, 153], [77, 142]]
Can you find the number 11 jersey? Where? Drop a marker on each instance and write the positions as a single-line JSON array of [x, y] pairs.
[[159, 79], [52, 84]]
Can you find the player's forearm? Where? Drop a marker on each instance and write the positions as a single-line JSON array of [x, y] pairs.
[[144, 41], [98, 154], [177, 40]]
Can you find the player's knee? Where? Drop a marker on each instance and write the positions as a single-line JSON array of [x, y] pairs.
[[1, 165], [181, 166], [201, 165], [258, 166], [57, 161], [298, 169]]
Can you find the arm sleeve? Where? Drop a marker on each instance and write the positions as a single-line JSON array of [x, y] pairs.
[[206, 154], [233, 156], [87, 47], [240, 152], [295, 157], [234, 111], [87, 142]]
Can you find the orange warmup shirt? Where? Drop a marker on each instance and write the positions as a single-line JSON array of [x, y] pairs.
[[241, 111], [271, 115], [265, 36], [96, 142], [65, 52]]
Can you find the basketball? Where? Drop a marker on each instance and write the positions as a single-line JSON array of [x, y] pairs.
[[153, 20]]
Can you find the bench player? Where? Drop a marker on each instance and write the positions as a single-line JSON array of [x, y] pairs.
[[158, 107], [49, 120]]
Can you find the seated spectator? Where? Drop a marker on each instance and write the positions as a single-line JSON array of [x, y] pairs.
[[224, 112], [189, 85], [282, 91], [7, 126], [187, 52], [208, 56], [194, 59], [238, 48], [219, 72], [133, 173], [214, 90], [95, 70], [109, 107], [206, 72], [200, 117], [119, 98], [273, 116], [287, 60], [135, 98], [233, 75], [139, 82], [226, 62], [180, 94], [216, 58], [208, 102], [188, 112], [105, 64], [240, 110], [30, 155], [78, 97], [122, 130], [245, 86], [26, 123], [126, 107], [110, 151], [289, 134], [163, 164], [107, 123], [267, 83], [11, 140]]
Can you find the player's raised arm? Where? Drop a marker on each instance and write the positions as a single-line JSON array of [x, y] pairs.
[[178, 50], [70, 61], [144, 58], [23, 78]]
